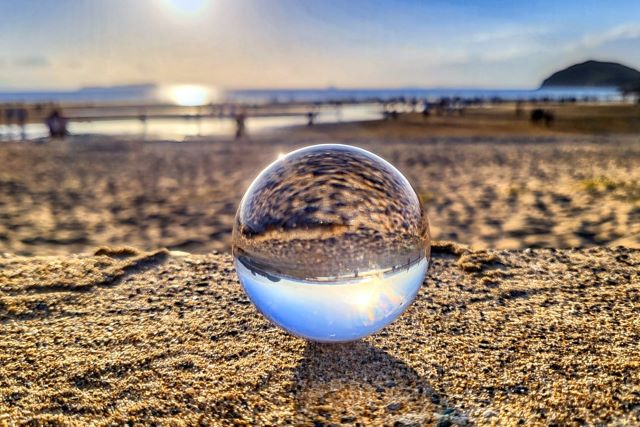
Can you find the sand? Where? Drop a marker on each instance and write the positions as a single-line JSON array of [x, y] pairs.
[[496, 337], [534, 337], [504, 191], [501, 119]]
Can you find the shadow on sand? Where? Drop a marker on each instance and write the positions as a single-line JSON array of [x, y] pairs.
[[356, 381]]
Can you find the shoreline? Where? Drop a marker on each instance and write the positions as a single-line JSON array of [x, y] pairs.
[[504, 118]]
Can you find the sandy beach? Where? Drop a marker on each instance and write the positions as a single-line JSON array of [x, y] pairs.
[[499, 336], [533, 337], [498, 189]]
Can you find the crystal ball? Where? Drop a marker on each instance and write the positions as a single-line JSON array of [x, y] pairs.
[[331, 243]]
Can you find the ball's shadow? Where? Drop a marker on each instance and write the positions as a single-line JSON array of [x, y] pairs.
[[345, 382]]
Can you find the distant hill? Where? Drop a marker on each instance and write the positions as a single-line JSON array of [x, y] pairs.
[[594, 74]]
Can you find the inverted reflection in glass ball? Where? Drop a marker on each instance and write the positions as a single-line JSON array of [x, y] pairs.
[[331, 243]]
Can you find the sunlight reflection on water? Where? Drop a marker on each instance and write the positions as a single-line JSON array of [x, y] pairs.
[[180, 128], [189, 95]]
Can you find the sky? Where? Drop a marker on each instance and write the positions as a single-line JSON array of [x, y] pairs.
[[68, 44]]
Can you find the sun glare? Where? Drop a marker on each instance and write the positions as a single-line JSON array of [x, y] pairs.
[[190, 95], [187, 6], [362, 299]]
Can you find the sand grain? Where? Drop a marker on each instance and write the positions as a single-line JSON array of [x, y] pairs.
[[535, 337]]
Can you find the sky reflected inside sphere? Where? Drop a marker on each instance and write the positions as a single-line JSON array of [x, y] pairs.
[[333, 312]]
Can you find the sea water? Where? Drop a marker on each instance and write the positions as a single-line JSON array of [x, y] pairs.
[[331, 243]]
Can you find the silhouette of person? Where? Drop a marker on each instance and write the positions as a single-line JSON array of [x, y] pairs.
[[240, 124], [57, 124], [21, 119], [425, 111], [9, 115], [310, 118]]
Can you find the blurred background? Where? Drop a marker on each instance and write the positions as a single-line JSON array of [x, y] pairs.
[[142, 123]]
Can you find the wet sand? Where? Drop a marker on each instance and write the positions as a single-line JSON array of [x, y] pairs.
[[533, 337], [505, 191]]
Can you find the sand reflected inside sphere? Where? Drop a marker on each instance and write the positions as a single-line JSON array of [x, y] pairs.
[[331, 243]]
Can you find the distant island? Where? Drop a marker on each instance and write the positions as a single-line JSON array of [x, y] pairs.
[[594, 74]]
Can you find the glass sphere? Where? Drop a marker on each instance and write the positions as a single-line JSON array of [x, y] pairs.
[[331, 243]]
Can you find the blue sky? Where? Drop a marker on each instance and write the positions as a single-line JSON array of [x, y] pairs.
[[64, 44]]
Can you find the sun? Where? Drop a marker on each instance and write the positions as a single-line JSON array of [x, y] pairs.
[[189, 7], [189, 95]]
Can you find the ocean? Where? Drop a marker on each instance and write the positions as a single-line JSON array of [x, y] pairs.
[[149, 93]]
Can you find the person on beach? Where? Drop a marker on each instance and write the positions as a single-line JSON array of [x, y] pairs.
[[240, 124], [9, 114], [310, 118], [21, 120], [57, 124], [425, 111]]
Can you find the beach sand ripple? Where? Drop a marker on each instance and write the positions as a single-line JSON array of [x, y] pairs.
[[536, 337], [488, 192]]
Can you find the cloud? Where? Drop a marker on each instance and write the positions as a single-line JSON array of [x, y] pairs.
[[509, 33], [31, 61], [500, 45], [511, 43], [619, 33], [508, 52], [495, 47]]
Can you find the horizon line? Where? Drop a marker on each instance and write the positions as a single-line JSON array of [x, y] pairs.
[[326, 88]]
